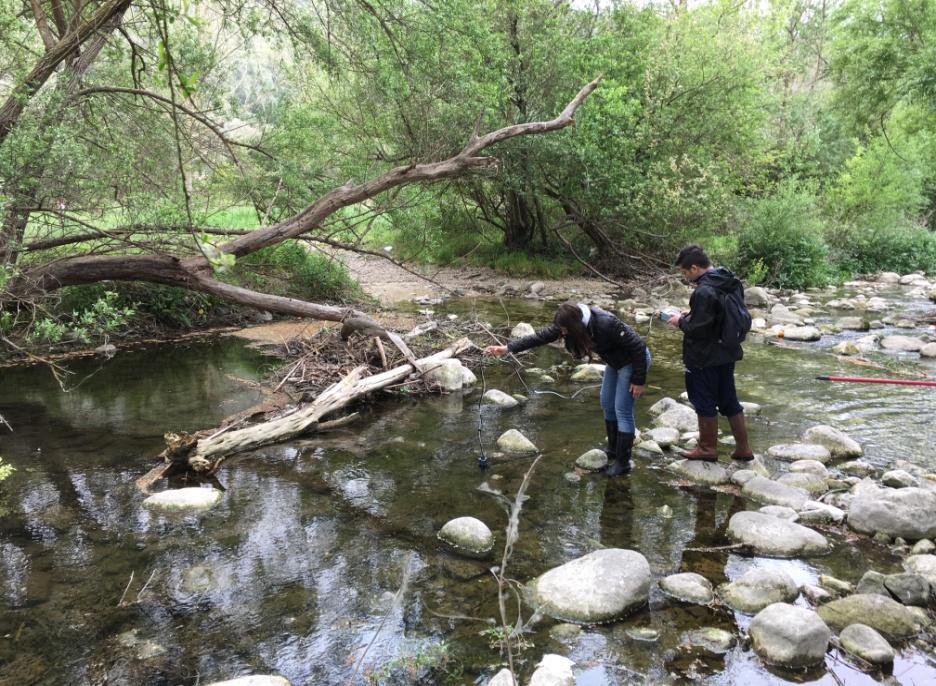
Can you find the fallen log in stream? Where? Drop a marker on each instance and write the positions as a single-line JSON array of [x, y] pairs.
[[205, 451]]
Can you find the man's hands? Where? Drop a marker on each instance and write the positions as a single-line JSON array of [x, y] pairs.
[[496, 350], [674, 320]]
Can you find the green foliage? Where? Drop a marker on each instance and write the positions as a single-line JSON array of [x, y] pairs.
[[867, 249], [153, 304], [292, 269], [5, 470], [781, 239], [103, 317], [423, 664]]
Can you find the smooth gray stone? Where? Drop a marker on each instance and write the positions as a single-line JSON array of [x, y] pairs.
[[885, 615], [775, 537], [909, 589], [688, 587], [757, 588], [866, 643], [789, 636]]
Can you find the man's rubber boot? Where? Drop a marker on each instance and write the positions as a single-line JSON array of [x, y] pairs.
[[707, 450], [742, 449], [611, 429], [622, 455]]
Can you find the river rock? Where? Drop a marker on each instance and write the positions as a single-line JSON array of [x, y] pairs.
[[198, 579], [499, 398], [255, 680], [679, 417], [800, 333], [664, 436], [867, 344], [838, 443], [818, 512], [780, 512], [446, 375], [810, 467], [836, 586], [773, 537], [183, 499], [553, 670], [515, 443], [661, 406], [852, 324], [769, 492], [815, 594], [710, 639], [593, 461], [522, 329], [898, 478], [648, 449], [923, 546], [709, 473], [588, 372], [758, 588], [688, 587], [468, 534], [813, 483], [793, 452], [789, 636], [906, 512], [866, 643], [928, 350], [468, 377], [856, 468], [924, 565], [742, 476], [932, 295], [889, 277], [755, 296], [872, 582], [908, 588], [846, 348], [503, 678], [599, 587], [884, 614], [907, 344]]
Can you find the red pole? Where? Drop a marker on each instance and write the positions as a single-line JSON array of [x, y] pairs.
[[866, 379]]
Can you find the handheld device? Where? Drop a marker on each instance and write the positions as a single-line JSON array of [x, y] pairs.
[[665, 316]]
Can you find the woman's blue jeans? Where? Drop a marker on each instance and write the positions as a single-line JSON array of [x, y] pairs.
[[616, 400]]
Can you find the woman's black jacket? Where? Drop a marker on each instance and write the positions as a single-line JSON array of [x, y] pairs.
[[615, 342]]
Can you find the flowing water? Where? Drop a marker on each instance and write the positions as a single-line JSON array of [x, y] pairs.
[[321, 562]]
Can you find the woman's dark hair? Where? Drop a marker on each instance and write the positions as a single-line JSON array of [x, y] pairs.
[[578, 342]]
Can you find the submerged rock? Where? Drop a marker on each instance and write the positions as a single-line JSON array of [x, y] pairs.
[[553, 670], [884, 614], [773, 537], [594, 460], [513, 442], [793, 452], [710, 639], [866, 643], [588, 372], [499, 398], [906, 512], [789, 636], [598, 587], [770, 492], [838, 443], [710, 473], [688, 587], [758, 588], [467, 534], [182, 499]]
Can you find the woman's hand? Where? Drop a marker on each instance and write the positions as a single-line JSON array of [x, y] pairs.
[[635, 391], [496, 350]]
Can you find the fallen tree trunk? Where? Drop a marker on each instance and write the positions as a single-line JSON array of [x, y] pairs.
[[205, 455]]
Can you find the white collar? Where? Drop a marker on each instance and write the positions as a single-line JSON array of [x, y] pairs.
[[586, 314]]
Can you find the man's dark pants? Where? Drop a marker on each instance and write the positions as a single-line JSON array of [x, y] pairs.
[[712, 390]]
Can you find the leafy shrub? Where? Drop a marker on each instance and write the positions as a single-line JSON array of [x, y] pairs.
[[781, 241], [864, 250], [5, 470], [162, 306]]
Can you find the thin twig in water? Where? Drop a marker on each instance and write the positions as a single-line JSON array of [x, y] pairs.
[[140, 594], [120, 602]]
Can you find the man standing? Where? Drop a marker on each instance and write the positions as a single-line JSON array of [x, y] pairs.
[[708, 358]]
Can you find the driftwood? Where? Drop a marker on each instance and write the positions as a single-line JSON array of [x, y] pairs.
[[207, 450]]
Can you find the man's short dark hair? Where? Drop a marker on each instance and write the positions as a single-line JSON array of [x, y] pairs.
[[692, 255]]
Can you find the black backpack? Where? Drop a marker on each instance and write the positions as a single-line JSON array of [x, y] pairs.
[[736, 320]]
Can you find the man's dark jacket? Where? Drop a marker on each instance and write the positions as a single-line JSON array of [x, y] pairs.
[[615, 343], [702, 346]]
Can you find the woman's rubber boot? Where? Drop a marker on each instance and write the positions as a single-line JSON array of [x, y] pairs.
[[622, 455], [742, 449], [707, 450], [612, 430]]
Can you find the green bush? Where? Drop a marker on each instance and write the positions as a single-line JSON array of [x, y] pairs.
[[781, 242], [867, 250], [163, 306], [291, 269]]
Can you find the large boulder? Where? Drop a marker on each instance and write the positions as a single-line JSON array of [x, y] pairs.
[[513, 442], [906, 512], [866, 643], [774, 537], [599, 587], [791, 452], [499, 398], [688, 587], [553, 670], [679, 417], [188, 499], [447, 375], [758, 588], [883, 614], [908, 588], [769, 492], [924, 565], [708, 473], [467, 534], [904, 344], [838, 443], [789, 636]]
